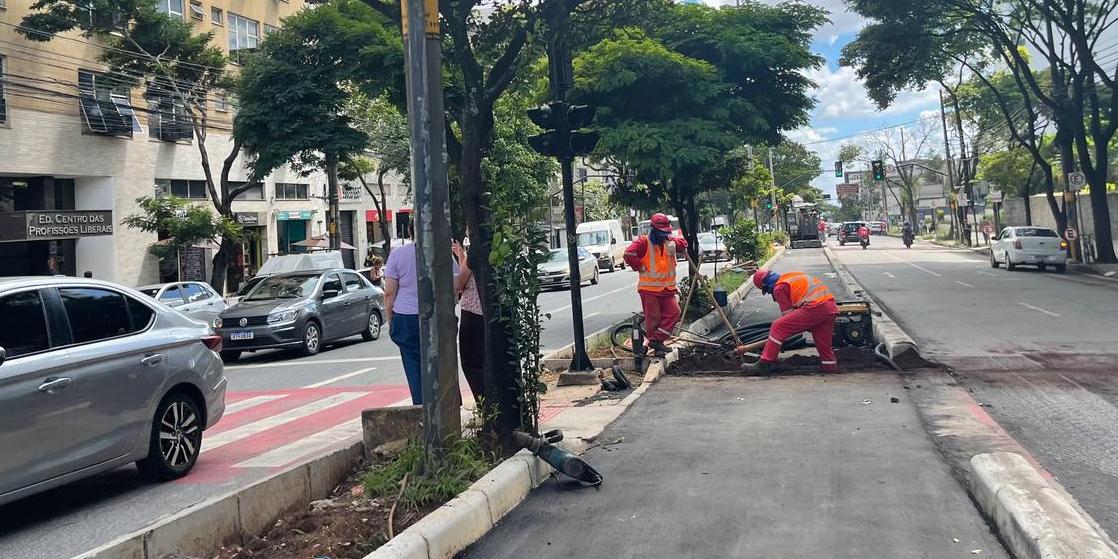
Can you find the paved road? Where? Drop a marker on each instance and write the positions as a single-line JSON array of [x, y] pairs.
[[1039, 350], [282, 408]]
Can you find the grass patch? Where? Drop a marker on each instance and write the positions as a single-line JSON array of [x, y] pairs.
[[731, 280], [465, 462]]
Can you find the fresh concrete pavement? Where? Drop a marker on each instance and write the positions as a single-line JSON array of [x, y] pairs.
[[797, 466], [279, 404]]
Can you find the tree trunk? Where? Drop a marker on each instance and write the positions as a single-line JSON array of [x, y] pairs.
[[691, 221], [1100, 213], [220, 263], [382, 214], [333, 225]]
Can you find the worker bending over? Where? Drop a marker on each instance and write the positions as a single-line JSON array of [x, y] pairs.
[[806, 305], [653, 256]]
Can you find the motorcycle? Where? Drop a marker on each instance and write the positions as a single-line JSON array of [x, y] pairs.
[[865, 241], [908, 238]]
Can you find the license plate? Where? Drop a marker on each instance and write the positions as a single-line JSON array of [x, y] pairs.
[[241, 336]]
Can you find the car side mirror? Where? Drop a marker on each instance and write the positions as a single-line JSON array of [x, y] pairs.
[[330, 293], [3, 355]]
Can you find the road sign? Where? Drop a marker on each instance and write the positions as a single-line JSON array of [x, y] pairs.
[[846, 190], [961, 199], [1076, 181], [1071, 234]]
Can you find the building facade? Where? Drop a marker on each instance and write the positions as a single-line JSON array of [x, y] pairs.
[[78, 148]]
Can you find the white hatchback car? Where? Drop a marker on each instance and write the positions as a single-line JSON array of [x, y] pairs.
[[1037, 246]]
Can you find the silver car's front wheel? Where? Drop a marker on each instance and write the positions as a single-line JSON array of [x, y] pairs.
[[176, 438]]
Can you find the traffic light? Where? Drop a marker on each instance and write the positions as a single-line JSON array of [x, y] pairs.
[[546, 117], [838, 169], [582, 141], [878, 170]]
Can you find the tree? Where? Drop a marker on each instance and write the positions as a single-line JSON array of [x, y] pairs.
[[176, 66], [1014, 172], [388, 151], [293, 94], [181, 224], [795, 167]]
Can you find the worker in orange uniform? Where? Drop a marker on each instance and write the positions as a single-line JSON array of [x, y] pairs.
[[806, 305], [653, 256]]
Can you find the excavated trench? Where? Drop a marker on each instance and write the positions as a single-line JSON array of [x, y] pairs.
[[710, 361]]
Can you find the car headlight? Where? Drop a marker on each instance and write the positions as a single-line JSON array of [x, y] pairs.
[[218, 322], [283, 316]]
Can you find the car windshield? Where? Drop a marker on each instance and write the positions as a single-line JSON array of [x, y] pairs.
[[285, 287], [150, 292], [248, 286], [707, 239], [558, 255], [852, 226], [592, 238], [1036, 233]]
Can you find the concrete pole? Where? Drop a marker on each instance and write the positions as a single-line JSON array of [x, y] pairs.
[[437, 322]]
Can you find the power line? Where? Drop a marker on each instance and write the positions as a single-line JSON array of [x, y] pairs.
[[866, 132]]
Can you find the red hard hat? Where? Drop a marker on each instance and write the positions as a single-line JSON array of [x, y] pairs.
[[661, 222], [759, 278]]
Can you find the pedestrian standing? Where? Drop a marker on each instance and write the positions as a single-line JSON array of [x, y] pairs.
[[376, 271], [471, 325], [653, 256]]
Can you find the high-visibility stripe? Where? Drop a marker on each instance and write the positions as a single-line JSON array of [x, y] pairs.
[[658, 274], [829, 362], [774, 340]]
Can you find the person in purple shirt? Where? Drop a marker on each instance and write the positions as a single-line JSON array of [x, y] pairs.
[[401, 307]]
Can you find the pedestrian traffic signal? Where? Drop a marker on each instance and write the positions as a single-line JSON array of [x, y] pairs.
[[548, 118], [878, 169], [838, 168]]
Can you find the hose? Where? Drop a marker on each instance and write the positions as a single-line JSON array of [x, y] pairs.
[[756, 332], [879, 352]]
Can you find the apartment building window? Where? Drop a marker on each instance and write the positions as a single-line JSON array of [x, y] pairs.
[[221, 102], [170, 7], [244, 35], [106, 105], [169, 119], [3, 101], [217, 16], [254, 193], [196, 11], [269, 29], [291, 191], [191, 190]]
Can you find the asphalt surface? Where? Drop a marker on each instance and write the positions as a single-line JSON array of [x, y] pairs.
[[744, 468], [283, 409], [1036, 350]]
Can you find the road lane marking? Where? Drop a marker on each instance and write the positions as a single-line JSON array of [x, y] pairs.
[[1038, 309], [991, 274], [890, 275], [917, 266], [312, 362], [340, 377], [314, 444], [964, 284], [594, 298], [219, 440], [585, 316], [252, 402]]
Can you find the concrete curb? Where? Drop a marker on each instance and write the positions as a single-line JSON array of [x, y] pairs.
[[898, 344], [1034, 519], [567, 352], [712, 321], [203, 528]]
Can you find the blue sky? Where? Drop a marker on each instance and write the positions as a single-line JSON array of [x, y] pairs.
[[842, 106]]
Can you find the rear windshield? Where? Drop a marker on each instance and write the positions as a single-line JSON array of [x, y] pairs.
[[1036, 233]]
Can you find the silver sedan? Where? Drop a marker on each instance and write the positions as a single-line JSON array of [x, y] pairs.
[[94, 376], [195, 299]]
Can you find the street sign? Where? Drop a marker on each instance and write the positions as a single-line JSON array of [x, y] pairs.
[[1071, 234], [846, 190], [961, 199], [1076, 181], [995, 196]]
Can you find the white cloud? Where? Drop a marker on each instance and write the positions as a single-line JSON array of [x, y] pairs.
[[840, 95]]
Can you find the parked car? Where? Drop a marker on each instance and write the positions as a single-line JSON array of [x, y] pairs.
[[244, 290], [848, 233], [303, 311], [712, 247], [300, 262], [605, 240], [1039, 246], [556, 273], [94, 376], [195, 299]]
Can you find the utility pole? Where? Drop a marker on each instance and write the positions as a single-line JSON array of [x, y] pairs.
[[332, 196], [437, 323], [950, 165], [772, 193]]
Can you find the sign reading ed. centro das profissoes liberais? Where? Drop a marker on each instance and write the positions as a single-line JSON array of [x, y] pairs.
[[46, 225]]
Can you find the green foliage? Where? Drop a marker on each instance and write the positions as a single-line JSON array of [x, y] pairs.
[[745, 242], [597, 203], [464, 463], [795, 167], [1012, 171], [181, 224], [701, 303], [293, 94]]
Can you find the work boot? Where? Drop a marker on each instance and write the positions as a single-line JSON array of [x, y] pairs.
[[659, 348], [759, 368]]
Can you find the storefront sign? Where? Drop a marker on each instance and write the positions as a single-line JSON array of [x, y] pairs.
[[45, 225], [301, 215], [374, 215], [252, 219]]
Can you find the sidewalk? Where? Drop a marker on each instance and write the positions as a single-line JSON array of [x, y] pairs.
[[804, 466]]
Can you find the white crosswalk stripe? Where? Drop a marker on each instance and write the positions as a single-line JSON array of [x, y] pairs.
[[233, 435], [316, 443], [252, 402]]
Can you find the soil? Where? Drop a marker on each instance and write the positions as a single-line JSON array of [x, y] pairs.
[[709, 361], [346, 525]]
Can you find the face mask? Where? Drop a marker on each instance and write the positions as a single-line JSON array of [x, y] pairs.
[[658, 237]]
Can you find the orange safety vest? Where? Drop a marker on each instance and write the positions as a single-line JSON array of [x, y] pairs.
[[658, 273], [805, 290]]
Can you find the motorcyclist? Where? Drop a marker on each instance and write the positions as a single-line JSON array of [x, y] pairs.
[[906, 233], [864, 234]]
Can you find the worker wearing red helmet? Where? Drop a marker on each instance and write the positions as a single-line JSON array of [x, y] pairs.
[[653, 256], [806, 305]]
